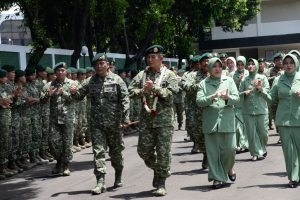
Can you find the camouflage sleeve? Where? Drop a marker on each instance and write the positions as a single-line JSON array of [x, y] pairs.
[[274, 92], [167, 92], [45, 93], [202, 99], [83, 90], [66, 94], [135, 90], [124, 101]]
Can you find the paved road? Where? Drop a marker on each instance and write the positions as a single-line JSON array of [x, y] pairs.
[[255, 180]]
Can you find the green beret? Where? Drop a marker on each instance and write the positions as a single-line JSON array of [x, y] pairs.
[[3, 73], [8, 68], [73, 70], [40, 68], [99, 56], [278, 55], [49, 70], [90, 69], [154, 49], [60, 65], [222, 55], [81, 71], [261, 60], [19, 73], [180, 71], [29, 71], [69, 70], [206, 55], [195, 59]]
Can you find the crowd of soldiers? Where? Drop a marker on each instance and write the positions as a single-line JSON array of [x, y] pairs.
[[49, 114]]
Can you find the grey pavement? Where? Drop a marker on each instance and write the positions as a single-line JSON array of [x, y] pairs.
[[264, 179]]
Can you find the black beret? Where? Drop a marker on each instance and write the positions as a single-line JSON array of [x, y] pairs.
[[40, 68], [8, 68], [19, 73], [29, 71]]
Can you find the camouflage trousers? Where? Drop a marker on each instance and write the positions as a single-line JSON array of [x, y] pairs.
[[135, 109], [178, 111], [5, 132], [45, 120], [15, 136], [190, 121], [36, 131], [60, 141], [102, 138], [198, 133], [25, 135], [88, 136], [154, 147]]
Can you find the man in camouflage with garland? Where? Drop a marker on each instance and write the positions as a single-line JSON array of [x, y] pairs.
[[155, 86]]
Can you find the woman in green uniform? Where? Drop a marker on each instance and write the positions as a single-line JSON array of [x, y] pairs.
[[254, 93], [217, 95], [286, 92]]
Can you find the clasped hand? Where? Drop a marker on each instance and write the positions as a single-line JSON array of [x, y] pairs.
[[221, 94], [148, 85]]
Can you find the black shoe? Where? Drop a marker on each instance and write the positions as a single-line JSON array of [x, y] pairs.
[[232, 177], [265, 154], [293, 184], [218, 185]]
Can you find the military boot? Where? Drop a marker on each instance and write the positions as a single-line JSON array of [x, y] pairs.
[[49, 156], [33, 160], [21, 164], [66, 169], [161, 188], [43, 155], [195, 149], [118, 178], [155, 180], [88, 143], [204, 161], [82, 143], [9, 172], [100, 186], [12, 166], [58, 168], [26, 163], [41, 160], [77, 148], [2, 175]]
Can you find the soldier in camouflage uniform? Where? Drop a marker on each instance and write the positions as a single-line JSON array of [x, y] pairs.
[[5, 125], [155, 87], [274, 72], [62, 115], [12, 139], [40, 82], [35, 109], [191, 87], [109, 111], [190, 108], [178, 101]]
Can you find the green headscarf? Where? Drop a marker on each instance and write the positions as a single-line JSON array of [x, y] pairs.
[[296, 64], [256, 66], [242, 59], [212, 62]]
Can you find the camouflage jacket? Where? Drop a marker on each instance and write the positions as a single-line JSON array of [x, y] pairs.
[[109, 100], [34, 92], [164, 91], [179, 97], [62, 107], [191, 84]]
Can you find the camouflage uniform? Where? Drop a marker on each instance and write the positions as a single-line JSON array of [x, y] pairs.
[[191, 88], [178, 103], [62, 115], [189, 113], [81, 124], [109, 109], [34, 110], [154, 145]]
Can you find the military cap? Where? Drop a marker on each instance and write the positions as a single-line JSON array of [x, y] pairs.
[[206, 55], [40, 68], [154, 49], [278, 55], [3, 73], [223, 55], [60, 65], [19, 73], [90, 69], [180, 71], [73, 70], [8, 68], [120, 71], [81, 71], [29, 71], [49, 70], [261, 60], [195, 59], [69, 70], [99, 56]]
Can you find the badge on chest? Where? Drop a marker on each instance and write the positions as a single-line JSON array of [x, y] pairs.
[[109, 88]]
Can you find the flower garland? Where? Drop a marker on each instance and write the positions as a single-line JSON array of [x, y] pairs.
[[153, 111]]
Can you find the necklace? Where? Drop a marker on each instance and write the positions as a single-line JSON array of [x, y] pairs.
[[153, 111]]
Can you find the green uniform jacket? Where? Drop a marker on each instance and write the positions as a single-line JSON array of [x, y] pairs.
[[218, 115], [284, 91], [256, 102], [164, 107]]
